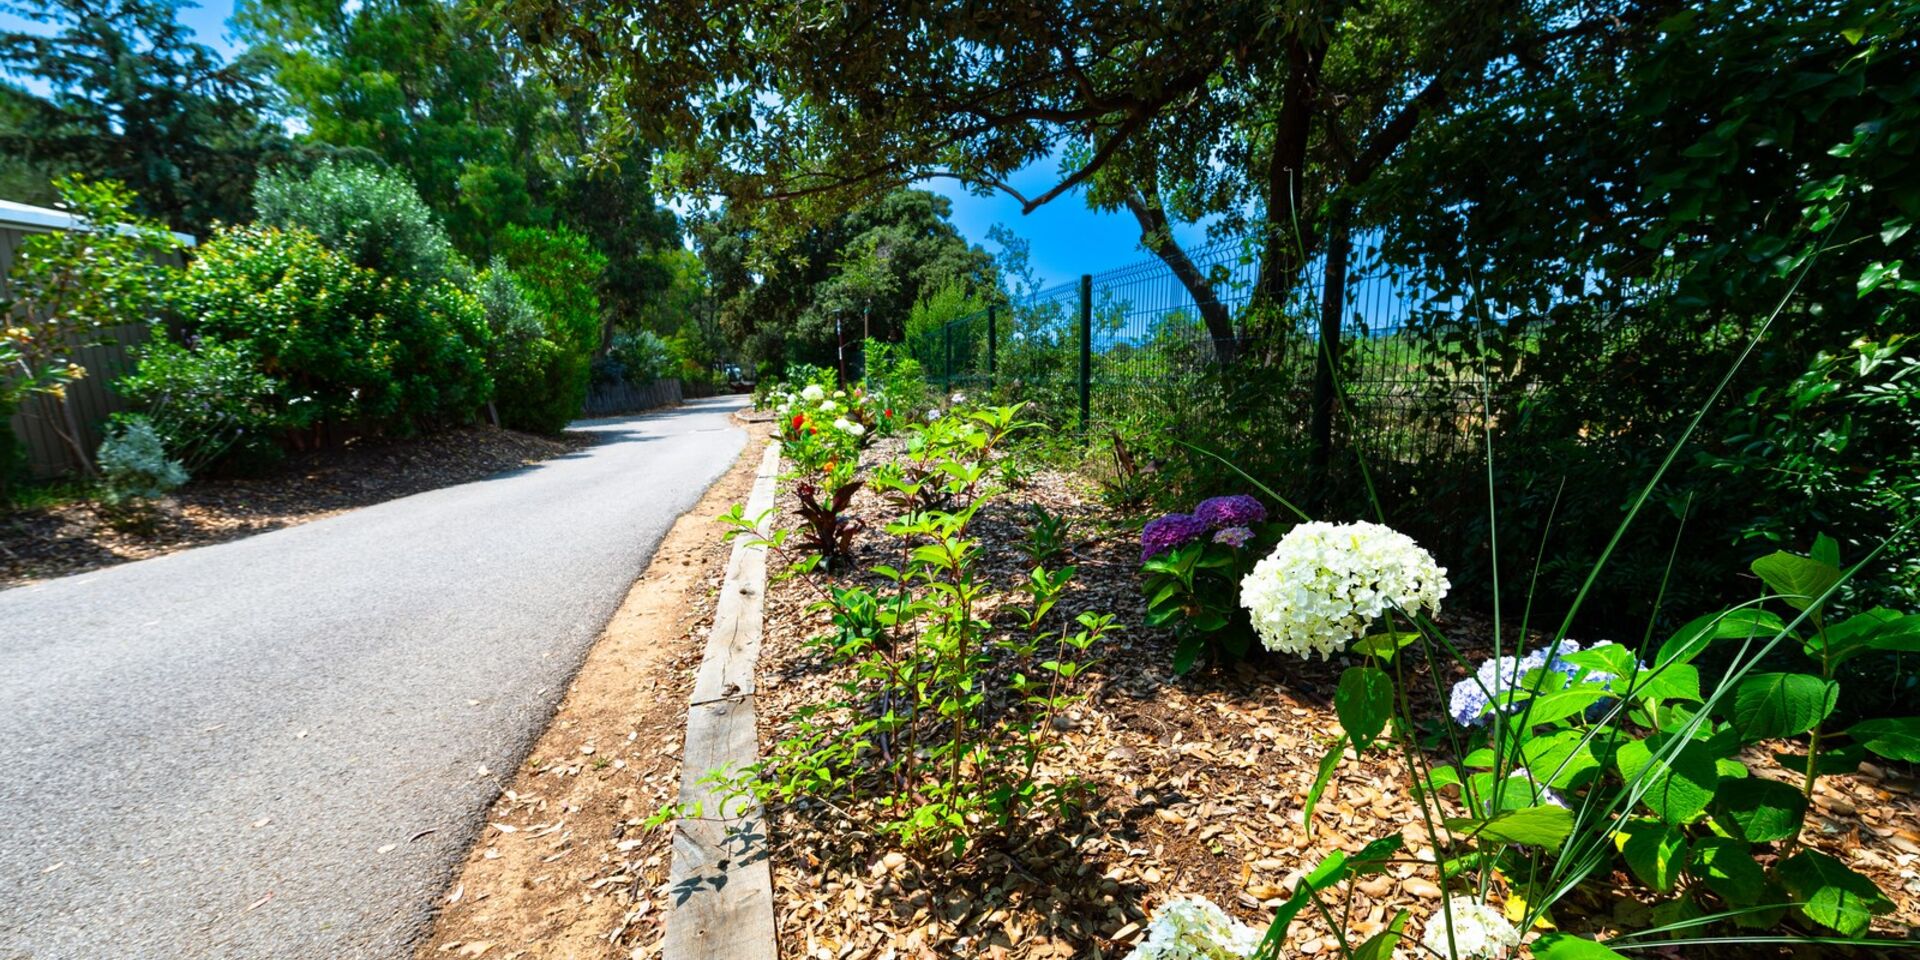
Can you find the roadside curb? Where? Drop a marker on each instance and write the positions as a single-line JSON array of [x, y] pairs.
[[720, 884]]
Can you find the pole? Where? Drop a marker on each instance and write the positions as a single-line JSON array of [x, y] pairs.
[[1086, 349], [1333, 305], [946, 366], [992, 348]]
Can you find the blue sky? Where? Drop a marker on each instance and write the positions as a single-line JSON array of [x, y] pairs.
[[1067, 238]]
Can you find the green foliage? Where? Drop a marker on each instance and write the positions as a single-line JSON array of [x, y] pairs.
[[531, 382], [372, 217], [942, 718], [641, 357], [341, 343], [129, 96], [208, 401], [69, 288], [1049, 536], [134, 466]]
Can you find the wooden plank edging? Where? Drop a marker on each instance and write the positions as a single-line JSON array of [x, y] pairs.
[[720, 898]]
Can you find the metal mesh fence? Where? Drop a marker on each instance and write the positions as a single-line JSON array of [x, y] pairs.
[[1128, 343]]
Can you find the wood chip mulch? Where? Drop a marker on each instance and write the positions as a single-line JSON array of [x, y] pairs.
[[74, 538], [1198, 784]]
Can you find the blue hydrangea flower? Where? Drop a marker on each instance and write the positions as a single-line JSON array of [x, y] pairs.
[[1168, 532], [1238, 510], [1501, 676], [1235, 537]]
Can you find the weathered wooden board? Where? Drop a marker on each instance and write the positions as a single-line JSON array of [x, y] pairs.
[[733, 645], [720, 902]]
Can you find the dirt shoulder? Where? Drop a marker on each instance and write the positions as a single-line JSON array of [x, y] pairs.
[[565, 867], [72, 537]]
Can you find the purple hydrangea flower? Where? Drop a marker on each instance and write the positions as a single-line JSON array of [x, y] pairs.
[[1235, 537], [1238, 510], [1168, 532], [1500, 676]]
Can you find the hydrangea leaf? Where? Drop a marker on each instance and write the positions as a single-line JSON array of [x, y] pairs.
[[1381, 945], [1876, 629], [1364, 703], [1677, 785], [1566, 946], [1320, 781], [1560, 760], [1727, 867], [1894, 737], [1798, 580], [1675, 681], [1654, 851], [1687, 642], [1543, 826], [1771, 705], [1832, 895]]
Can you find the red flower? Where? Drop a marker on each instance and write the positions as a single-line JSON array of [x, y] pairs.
[[798, 419], [889, 411], [813, 431]]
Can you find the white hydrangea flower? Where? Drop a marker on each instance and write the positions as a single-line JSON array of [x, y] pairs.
[[1480, 932], [814, 393], [839, 394], [848, 426], [1192, 928], [828, 406], [933, 415], [1326, 583], [959, 398]]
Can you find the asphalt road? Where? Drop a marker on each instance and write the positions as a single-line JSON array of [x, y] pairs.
[[280, 747]]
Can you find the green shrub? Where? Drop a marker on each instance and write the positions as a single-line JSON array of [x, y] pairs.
[[642, 357], [339, 342], [559, 271], [530, 375], [135, 470], [208, 402], [373, 217]]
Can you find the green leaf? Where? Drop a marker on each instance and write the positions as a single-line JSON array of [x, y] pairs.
[[1841, 760], [1543, 826], [1799, 580], [1566, 946], [1442, 776], [1675, 681], [1364, 703], [1188, 652], [1383, 645], [1561, 704], [1728, 869], [1654, 851], [1560, 760], [1677, 785], [1770, 705], [1894, 737], [1687, 642], [1380, 945], [1324, 874], [1759, 810], [1832, 895], [1320, 780]]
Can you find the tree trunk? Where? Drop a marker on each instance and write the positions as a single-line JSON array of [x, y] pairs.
[[1333, 306]]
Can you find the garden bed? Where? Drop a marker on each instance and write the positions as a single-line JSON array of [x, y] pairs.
[[72, 536], [1197, 785]]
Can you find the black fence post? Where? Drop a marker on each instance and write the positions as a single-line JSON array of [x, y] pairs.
[[946, 366], [992, 349], [1086, 350], [1333, 306]]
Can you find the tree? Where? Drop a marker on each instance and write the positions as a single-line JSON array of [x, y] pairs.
[[1260, 122], [132, 98], [780, 292]]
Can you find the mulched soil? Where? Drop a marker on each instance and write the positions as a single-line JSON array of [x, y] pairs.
[[74, 537], [1197, 783]]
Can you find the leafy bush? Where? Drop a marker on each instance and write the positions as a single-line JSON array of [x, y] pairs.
[[135, 469], [532, 381], [1192, 565], [340, 343], [67, 289], [373, 217], [939, 724], [559, 272], [642, 357], [207, 402]]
